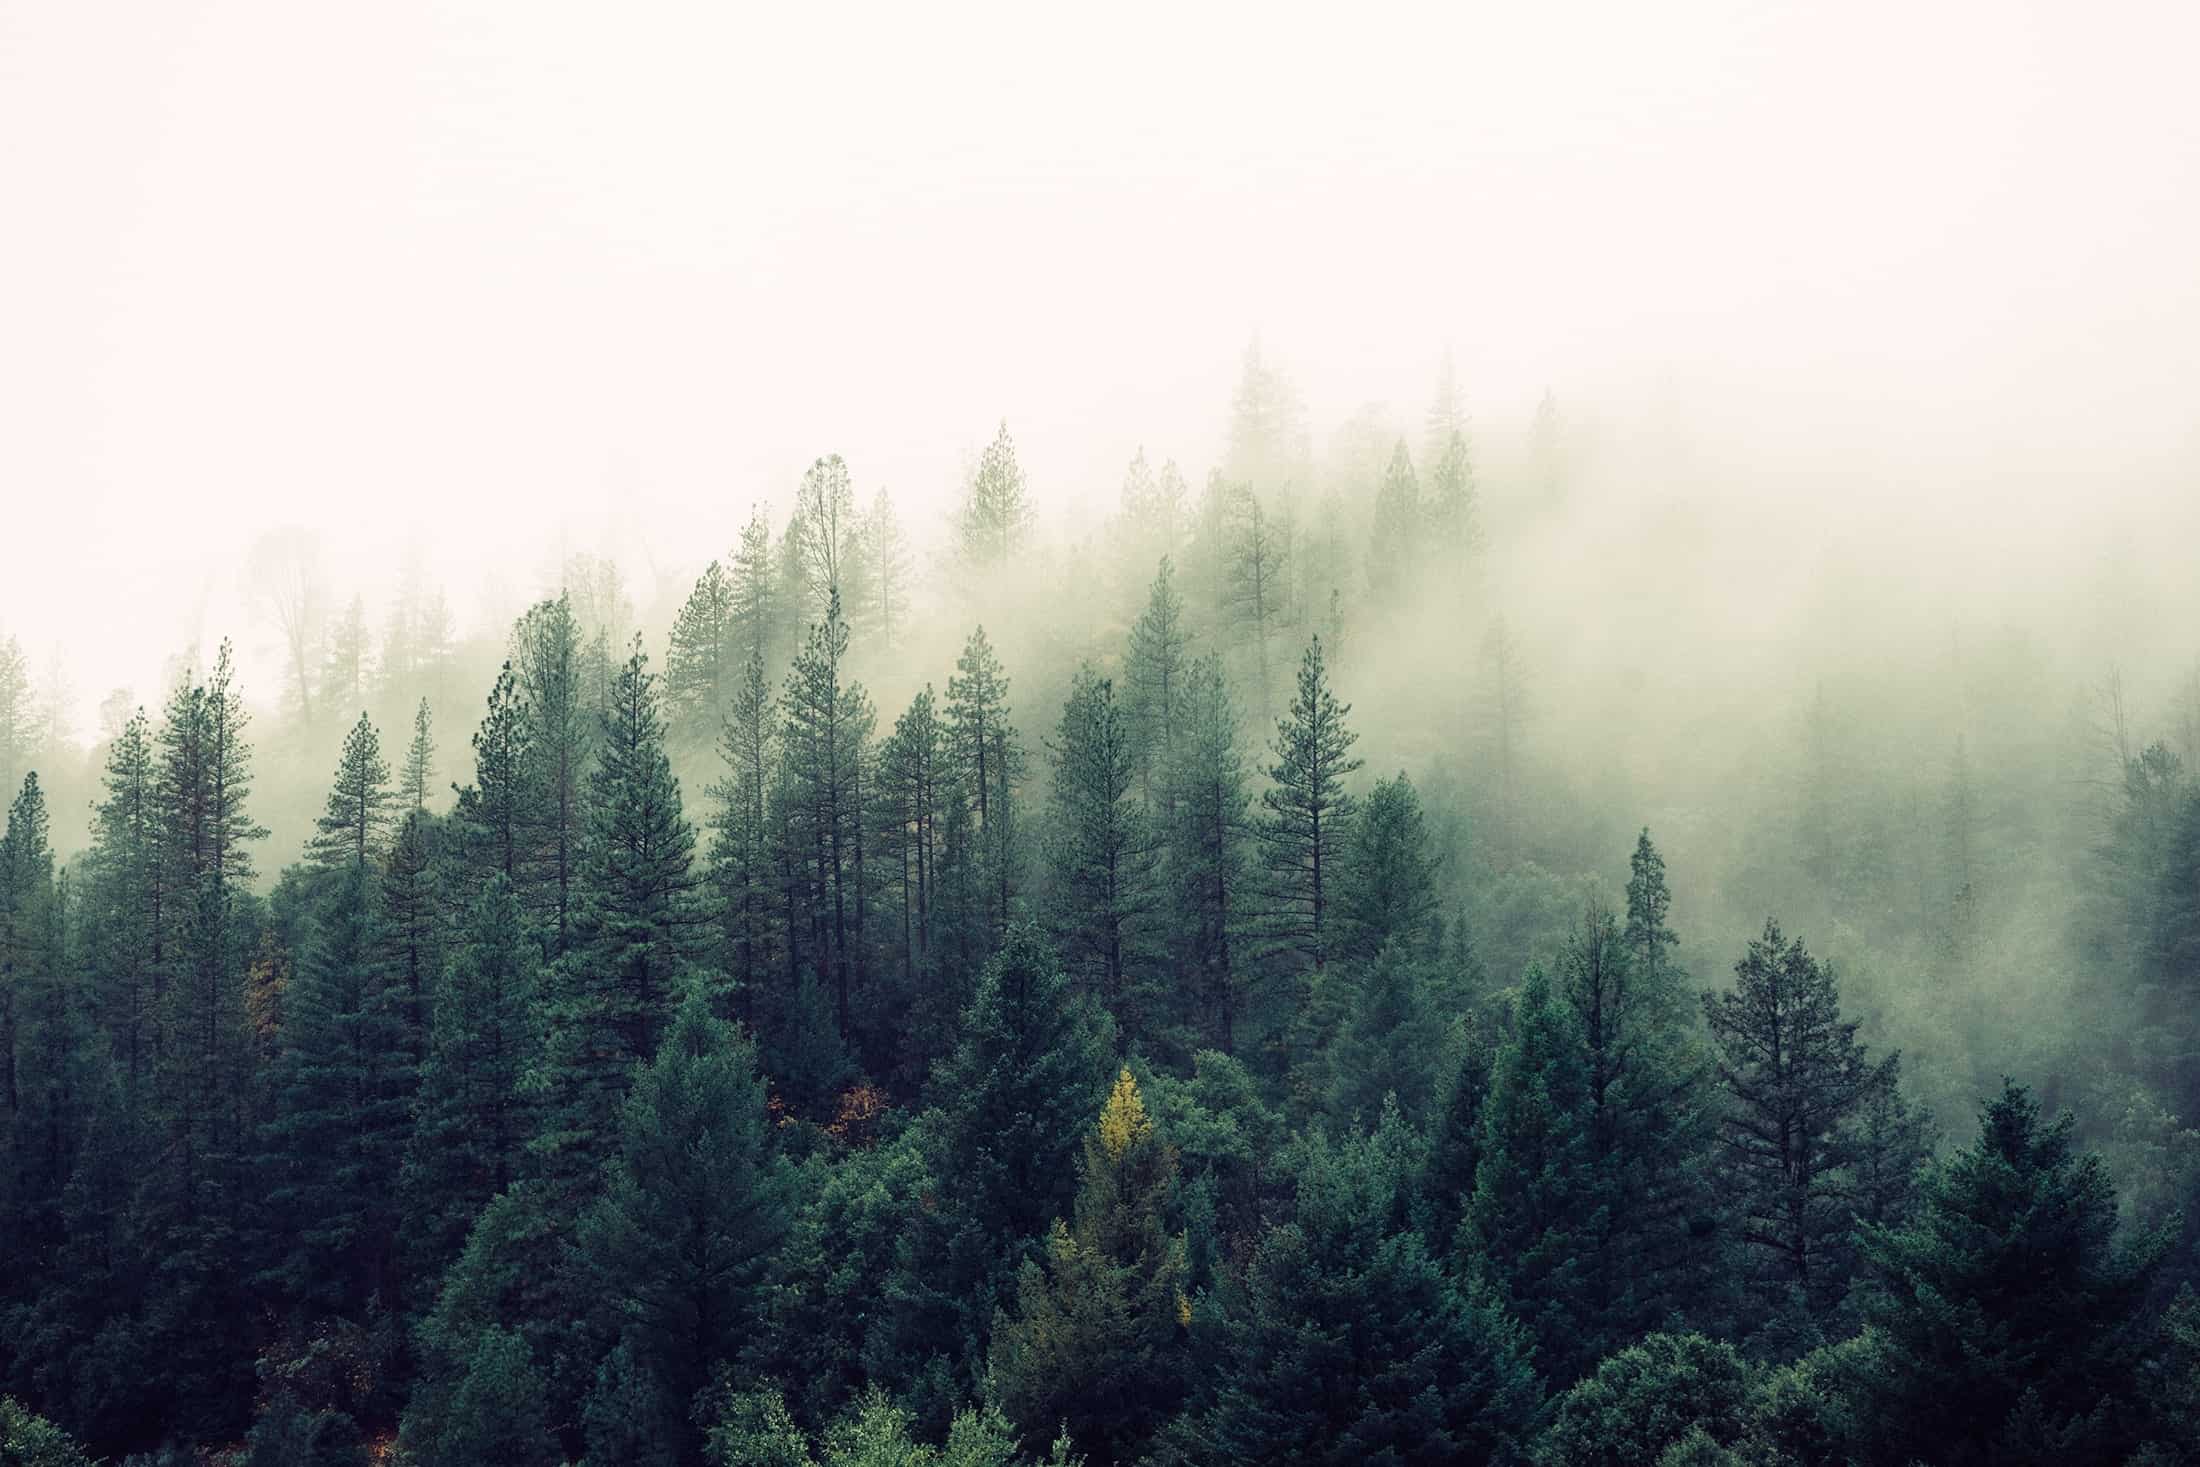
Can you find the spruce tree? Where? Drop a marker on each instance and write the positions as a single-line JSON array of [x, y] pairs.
[[829, 722], [492, 813], [701, 660], [418, 774], [995, 516], [2006, 1325], [1309, 814], [351, 830], [475, 1111], [1386, 885], [1206, 856], [695, 1202], [125, 898], [741, 873], [551, 675], [1155, 669], [988, 759], [1400, 535], [1102, 854], [1093, 1344]]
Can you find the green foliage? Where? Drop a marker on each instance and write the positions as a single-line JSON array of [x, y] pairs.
[[32, 1441], [2006, 1323], [1102, 855], [1648, 1399]]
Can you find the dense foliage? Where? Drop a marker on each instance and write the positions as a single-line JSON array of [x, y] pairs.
[[1084, 1055]]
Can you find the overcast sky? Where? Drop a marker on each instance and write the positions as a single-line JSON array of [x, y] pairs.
[[455, 270]]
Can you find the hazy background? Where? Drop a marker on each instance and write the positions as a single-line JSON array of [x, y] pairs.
[[1914, 282]]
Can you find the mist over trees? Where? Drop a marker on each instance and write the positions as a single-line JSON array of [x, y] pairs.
[[1308, 968]]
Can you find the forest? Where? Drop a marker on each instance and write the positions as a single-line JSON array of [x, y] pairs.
[[1276, 973]]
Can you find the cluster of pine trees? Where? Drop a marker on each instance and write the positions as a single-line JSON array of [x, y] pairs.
[[1120, 1082]]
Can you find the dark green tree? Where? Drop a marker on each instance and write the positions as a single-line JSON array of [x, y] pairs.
[[1386, 885], [1102, 854], [1205, 859], [1156, 667]]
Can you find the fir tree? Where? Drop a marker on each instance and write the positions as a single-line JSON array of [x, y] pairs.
[[701, 660], [491, 813], [741, 838], [988, 762], [1206, 856], [829, 721], [995, 516], [351, 830], [1386, 886], [1155, 670], [1103, 853], [551, 671], [1400, 535], [419, 770], [1093, 1341], [1309, 813]]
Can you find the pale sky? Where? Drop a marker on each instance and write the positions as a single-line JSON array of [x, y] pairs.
[[465, 271]]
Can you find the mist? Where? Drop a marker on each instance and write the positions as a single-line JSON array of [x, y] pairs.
[[1764, 431]]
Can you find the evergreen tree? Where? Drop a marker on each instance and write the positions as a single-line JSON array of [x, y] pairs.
[[419, 771], [829, 721], [754, 615], [1796, 1078], [886, 560], [126, 901], [1309, 813], [1093, 1342], [1155, 670], [912, 786], [1254, 594], [551, 675], [351, 830], [2007, 1323], [1400, 536], [995, 517], [474, 1114], [18, 715], [988, 761], [1386, 886], [1103, 852], [1540, 1202], [695, 1202], [492, 812], [638, 928], [700, 663], [342, 1086], [1451, 509], [1346, 1341], [1206, 853], [741, 838]]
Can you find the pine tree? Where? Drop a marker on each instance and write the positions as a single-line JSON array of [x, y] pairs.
[[695, 1202], [988, 761], [1347, 1342], [639, 928], [1386, 885], [1795, 1078], [741, 838], [351, 830], [1102, 856], [475, 1111], [18, 723], [342, 1088], [1453, 514], [1309, 813], [995, 517], [1154, 671], [886, 559], [413, 916], [344, 671], [1401, 529], [912, 785], [418, 775], [492, 813], [1093, 1342], [1206, 856], [125, 899], [700, 663], [1540, 1202], [829, 722], [551, 675], [2006, 1325], [1254, 596], [754, 615], [831, 540]]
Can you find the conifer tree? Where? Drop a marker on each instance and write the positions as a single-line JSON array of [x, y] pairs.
[[1206, 856], [1386, 885], [2005, 1327], [418, 774], [1796, 1079], [475, 1111], [492, 813], [1092, 1344], [639, 928], [344, 671], [754, 615], [351, 830], [125, 903], [1400, 534], [741, 837], [700, 662], [18, 716], [695, 1202], [550, 668], [831, 540], [886, 563], [1154, 671], [1309, 813], [1539, 1202], [988, 760], [829, 722], [912, 775], [1254, 591], [1103, 852], [343, 1086], [1452, 512], [995, 516]]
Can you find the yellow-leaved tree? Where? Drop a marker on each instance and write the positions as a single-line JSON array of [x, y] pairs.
[[1096, 1320]]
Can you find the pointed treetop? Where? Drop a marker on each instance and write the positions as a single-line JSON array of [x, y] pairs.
[[1123, 1120]]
